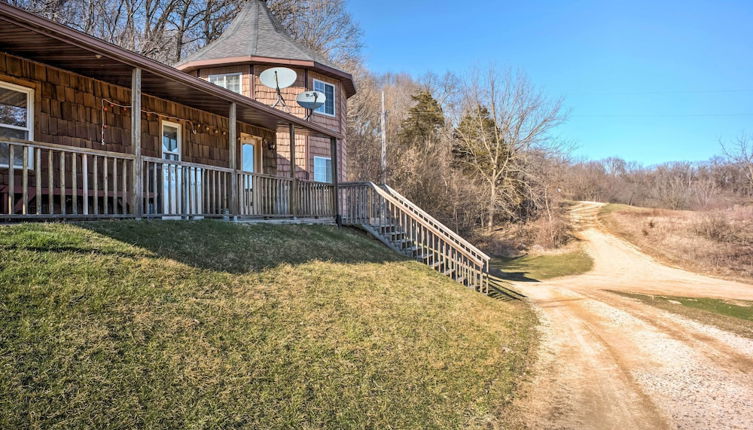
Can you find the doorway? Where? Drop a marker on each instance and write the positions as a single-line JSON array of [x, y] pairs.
[[172, 137]]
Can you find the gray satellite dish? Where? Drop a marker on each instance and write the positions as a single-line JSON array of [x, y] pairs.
[[311, 99], [278, 78]]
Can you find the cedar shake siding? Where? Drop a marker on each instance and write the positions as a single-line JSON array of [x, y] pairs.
[[68, 111], [254, 42]]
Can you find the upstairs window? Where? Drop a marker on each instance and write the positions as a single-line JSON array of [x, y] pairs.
[[322, 169], [329, 90], [16, 121], [230, 81]]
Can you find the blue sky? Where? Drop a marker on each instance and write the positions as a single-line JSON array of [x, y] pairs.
[[649, 81]]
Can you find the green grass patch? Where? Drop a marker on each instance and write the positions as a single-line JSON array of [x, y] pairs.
[[735, 316], [541, 267], [160, 324]]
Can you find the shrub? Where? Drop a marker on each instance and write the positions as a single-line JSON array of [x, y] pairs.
[[715, 226], [552, 233]]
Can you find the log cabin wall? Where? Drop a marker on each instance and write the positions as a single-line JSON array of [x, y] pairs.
[[68, 111]]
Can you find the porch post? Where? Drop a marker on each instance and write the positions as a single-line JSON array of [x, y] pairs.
[[294, 180], [137, 190], [335, 179], [232, 134]]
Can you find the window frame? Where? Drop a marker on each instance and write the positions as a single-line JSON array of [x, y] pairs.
[[177, 126], [329, 180], [225, 75], [29, 129], [334, 98]]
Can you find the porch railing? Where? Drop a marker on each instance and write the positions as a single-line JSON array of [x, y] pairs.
[[177, 188], [41, 180], [51, 181]]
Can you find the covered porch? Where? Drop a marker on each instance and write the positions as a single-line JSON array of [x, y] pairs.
[[55, 165], [48, 181]]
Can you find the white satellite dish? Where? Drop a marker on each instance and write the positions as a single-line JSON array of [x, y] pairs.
[[278, 78], [311, 100]]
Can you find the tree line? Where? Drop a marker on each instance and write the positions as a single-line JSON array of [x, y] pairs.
[[169, 30], [474, 150], [724, 180]]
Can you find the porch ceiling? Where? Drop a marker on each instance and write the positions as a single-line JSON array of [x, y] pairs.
[[29, 36]]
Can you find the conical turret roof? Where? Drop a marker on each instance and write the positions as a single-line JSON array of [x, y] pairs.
[[256, 36]]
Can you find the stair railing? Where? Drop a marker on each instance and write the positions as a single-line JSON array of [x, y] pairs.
[[449, 233], [413, 233]]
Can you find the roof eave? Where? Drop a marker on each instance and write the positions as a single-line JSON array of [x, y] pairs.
[[346, 78]]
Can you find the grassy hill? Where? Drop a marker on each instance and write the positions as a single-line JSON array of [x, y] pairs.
[[716, 242], [213, 325]]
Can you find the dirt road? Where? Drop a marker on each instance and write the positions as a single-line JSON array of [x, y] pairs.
[[610, 362]]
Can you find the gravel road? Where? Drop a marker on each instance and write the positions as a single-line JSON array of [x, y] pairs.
[[611, 362]]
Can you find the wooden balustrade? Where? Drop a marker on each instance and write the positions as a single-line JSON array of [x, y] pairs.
[[181, 189], [445, 231], [413, 233], [264, 195], [269, 196], [54, 181], [315, 199]]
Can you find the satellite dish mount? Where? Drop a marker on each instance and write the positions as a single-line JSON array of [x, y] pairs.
[[311, 100]]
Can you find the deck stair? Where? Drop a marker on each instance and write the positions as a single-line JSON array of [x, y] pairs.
[[408, 230]]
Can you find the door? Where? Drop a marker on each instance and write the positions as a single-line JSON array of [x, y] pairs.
[[250, 154], [250, 163], [171, 173]]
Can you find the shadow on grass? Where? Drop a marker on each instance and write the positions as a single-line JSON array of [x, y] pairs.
[[516, 277], [237, 248]]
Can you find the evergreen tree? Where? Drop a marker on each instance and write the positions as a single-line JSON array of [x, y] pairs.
[[424, 122]]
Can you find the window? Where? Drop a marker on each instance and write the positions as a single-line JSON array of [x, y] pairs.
[[16, 121], [251, 156], [248, 158], [329, 90], [171, 136], [322, 169], [231, 81]]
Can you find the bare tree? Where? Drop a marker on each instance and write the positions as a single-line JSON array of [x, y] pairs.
[[324, 26], [506, 123], [740, 153]]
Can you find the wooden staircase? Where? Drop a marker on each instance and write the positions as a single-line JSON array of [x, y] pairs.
[[407, 229]]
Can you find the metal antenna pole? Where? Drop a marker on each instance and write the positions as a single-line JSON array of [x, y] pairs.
[[383, 127]]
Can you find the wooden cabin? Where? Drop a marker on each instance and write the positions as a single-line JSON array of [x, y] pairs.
[[94, 130], [89, 130]]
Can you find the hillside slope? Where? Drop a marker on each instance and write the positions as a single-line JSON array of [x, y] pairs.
[[214, 325], [714, 242]]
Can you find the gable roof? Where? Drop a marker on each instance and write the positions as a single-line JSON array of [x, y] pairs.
[[256, 36]]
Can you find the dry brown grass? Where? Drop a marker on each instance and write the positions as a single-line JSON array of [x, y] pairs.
[[718, 242], [542, 235]]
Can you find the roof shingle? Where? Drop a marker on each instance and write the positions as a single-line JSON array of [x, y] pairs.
[[256, 33]]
